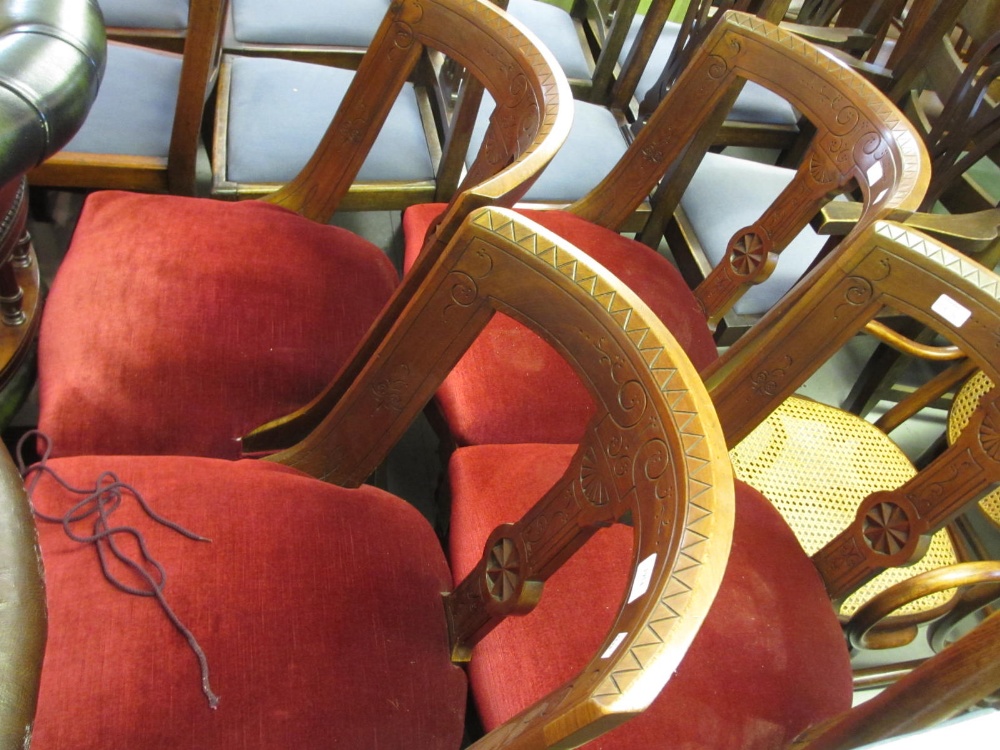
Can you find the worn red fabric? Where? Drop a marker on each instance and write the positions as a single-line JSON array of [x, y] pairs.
[[318, 608], [512, 387], [768, 661], [176, 325]]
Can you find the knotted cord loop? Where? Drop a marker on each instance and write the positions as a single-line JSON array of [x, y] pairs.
[[100, 502]]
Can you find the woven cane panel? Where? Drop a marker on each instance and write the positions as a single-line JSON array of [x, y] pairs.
[[966, 401], [816, 464]]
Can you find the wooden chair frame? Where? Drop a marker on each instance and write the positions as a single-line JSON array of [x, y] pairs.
[[177, 173]]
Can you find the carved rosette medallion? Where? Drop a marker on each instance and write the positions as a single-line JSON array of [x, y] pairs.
[[748, 252], [592, 481], [886, 528], [503, 570], [989, 433], [821, 171]]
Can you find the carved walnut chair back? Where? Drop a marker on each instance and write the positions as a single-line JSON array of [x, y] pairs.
[[529, 125], [889, 269], [860, 140], [679, 499]]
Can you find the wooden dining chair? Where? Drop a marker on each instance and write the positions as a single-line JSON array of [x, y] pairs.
[[175, 325], [505, 391], [50, 82], [340, 623], [284, 94], [958, 120], [144, 131], [276, 649], [886, 266]]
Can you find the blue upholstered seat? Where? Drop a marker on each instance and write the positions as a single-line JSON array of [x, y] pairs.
[[595, 134], [147, 14], [279, 110], [556, 29], [746, 188], [324, 22], [134, 110]]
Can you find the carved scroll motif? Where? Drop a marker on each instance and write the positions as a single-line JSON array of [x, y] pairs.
[[767, 382]]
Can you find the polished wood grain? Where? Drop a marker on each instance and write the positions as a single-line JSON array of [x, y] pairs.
[[652, 454], [531, 121]]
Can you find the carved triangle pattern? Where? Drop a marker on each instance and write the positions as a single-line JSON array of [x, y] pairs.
[[547, 80], [668, 610], [882, 110], [981, 277]]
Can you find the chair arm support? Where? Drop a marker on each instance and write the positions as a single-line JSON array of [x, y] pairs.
[[938, 689], [969, 233], [22, 610], [840, 38]]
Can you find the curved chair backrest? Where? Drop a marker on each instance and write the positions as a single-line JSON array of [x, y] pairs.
[[51, 58], [650, 455], [531, 120], [886, 268], [860, 140]]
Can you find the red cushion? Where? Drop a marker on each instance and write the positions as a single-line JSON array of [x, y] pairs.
[[176, 325], [318, 608], [512, 387], [768, 661]]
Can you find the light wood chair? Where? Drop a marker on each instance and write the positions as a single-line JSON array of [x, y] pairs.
[[144, 131], [264, 299]]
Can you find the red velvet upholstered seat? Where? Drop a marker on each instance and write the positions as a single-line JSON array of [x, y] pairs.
[[769, 660], [157, 339], [542, 400], [317, 632]]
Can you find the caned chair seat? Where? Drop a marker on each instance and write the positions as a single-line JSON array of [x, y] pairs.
[[816, 464], [962, 408]]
